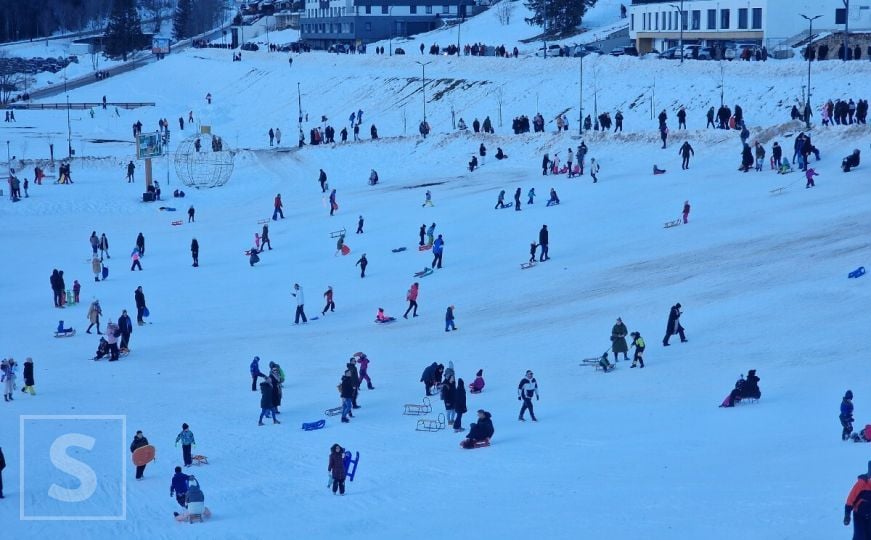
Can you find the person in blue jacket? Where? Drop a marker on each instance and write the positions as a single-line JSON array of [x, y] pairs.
[[846, 416], [449, 319], [179, 487], [255, 373], [437, 248], [186, 438]]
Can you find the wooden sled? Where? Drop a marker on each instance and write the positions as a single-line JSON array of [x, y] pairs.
[[596, 363], [425, 247], [478, 444], [191, 517], [672, 223], [333, 412], [524, 266], [65, 334], [426, 424], [414, 409], [336, 234], [177, 223], [200, 459]]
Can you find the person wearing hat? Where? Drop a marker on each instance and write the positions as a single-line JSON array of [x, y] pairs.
[[674, 326], [449, 319], [477, 385], [638, 343], [480, 430], [336, 468], [859, 505], [846, 416], [459, 406], [618, 339], [139, 441]]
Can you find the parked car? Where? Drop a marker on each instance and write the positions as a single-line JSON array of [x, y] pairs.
[[617, 51], [553, 49], [734, 52], [583, 50], [250, 47], [697, 52], [626, 50], [398, 50]]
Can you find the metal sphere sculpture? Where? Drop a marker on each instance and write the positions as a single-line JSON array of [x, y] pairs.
[[203, 161]]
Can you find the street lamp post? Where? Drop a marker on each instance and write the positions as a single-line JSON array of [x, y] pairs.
[[299, 120], [69, 127], [423, 84], [392, 28], [846, 27], [581, 97], [810, 30], [680, 23]]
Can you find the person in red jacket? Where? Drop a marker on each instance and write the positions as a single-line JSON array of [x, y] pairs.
[[412, 300], [859, 504], [329, 298], [278, 208]]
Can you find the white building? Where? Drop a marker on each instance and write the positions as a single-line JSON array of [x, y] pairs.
[[656, 24]]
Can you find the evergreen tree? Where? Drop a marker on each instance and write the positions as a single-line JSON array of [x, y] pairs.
[[563, 16], [181, 20], [124, 32]]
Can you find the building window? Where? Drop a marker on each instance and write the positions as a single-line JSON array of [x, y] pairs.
[[724, 19], [656, 21], [429, 10], [742, 18], [669, 20], [412, 9], [446, 10], [368, 10], [697, 19], [757, 18], [384, 10], [632, 21], [712, 19]]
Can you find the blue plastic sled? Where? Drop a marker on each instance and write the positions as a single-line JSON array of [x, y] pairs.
[[312, 426], [146, 313], [859, 272], [351, 471], [105, 273]]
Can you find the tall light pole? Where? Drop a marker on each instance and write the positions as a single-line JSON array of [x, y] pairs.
[[423, 84], [392, 28], [581, 97], [460, 16], [810, 30], [69, 127], [299, 120], [680, 25], [846, 26]]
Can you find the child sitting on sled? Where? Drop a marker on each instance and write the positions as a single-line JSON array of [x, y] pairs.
[[382, 317], [63, 331]]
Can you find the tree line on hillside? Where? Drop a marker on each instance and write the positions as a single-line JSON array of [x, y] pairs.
[[558, 17]]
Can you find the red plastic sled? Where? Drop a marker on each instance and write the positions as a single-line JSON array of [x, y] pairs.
[[424, 248], [345, 249]]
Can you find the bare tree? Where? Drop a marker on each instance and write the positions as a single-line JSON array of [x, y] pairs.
[[10, 80], [504, 11]]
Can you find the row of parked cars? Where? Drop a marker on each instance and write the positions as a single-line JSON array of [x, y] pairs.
[[32, 66], [695, 52]]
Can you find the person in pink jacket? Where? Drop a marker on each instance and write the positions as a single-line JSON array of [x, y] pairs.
[[412, 300], [135, 258], [363, 362], [478, 385]]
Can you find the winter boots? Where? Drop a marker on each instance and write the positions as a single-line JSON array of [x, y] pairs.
[[7, 397]]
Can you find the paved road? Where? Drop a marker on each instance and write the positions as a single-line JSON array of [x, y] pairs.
[[143, 59]]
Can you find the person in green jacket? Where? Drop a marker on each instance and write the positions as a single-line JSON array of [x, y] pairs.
[[618, 340]]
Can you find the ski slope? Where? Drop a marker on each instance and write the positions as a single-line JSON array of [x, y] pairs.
[[633, 453]]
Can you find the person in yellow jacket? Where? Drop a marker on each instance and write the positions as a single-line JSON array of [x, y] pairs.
[[638, 343]]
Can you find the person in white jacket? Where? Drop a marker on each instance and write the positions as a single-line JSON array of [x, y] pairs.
[[300, 304]]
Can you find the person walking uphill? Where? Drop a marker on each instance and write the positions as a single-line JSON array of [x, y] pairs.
[[859, 505], [135, 256], [686, 150], [526, 390], [673, 326], [186, 438], [278, 208], [179, 488], [94, 312], [328, 297], [322, 180], [846, 416], [517, 199], [362, 262], [139, 440], [139, 297], [437, 249], [411, 296], [336, 466], [140, 244], [300, 304], [618, 339], [449, 319]]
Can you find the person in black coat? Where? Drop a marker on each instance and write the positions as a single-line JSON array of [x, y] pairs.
[[427, 377], [542, 241], [480, 430], [139, 296], [673, 326], [267, 403], [459, 405], [29, 382], [140, 243], [56, 288], [2, 466], [355, 380], [125, 326], [139, 440], [517, 199], [346, 391], [422, 233], [195, 252]]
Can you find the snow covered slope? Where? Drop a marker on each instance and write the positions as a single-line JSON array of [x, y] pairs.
[[634, 453]]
